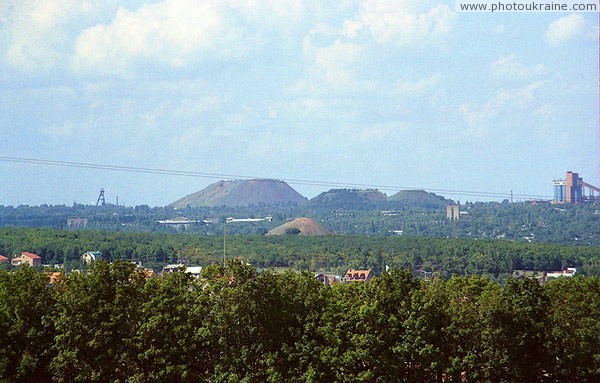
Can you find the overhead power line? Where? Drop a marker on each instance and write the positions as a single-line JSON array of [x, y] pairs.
[[133, 169]]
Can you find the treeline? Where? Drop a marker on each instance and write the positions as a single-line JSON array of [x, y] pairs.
[[522, 222], [113, 325], [332, 253]]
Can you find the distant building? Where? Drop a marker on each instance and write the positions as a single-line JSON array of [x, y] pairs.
[[453, 212], [75, 223], [148, 273], [3, 259], [26, 258], [568, 272], [560, 190], [177, 222], [543, 276], [572, 189], [54, 277], [196, 271], [358, 276], [91, 257], [327, 279], [520, 274]]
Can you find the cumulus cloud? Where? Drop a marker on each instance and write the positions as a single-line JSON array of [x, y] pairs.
[[62, 131], [417, 88], [519, 99], [336, 54], [510, 67], [181, 33], [170, 32], [566, 28], [330, 67], [34, 32], [403, 22]]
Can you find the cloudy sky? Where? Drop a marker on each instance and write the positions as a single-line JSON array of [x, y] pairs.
[[406, 93]]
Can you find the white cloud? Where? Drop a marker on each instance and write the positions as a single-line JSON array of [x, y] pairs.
[[171, 32], [509, 67], [62, 131], [37, 35], [336, 55], [31, 30], [375, 133], [401, 23], [329, 67], [499, 30], [181, 33], [506, 101], [566, 28], [417, 88]]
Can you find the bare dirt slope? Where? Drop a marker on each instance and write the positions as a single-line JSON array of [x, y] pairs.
[[300, 226], [242, 193]]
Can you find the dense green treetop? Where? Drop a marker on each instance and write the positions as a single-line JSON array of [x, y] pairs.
[[111, 324]]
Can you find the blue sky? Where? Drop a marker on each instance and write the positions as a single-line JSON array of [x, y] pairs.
[[404, 93]]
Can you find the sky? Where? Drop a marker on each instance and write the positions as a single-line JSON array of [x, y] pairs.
[[404, 93]]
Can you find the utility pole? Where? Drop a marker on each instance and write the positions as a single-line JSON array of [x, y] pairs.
[[224, 244]]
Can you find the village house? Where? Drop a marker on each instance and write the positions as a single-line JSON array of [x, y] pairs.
[[91, 257], [196, 271], [26, 258], [3, 259], [568, 272], [358, 276], [54, 277], [327, 279]]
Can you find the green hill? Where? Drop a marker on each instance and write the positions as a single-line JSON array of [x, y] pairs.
[[419, 199], [359, 199]]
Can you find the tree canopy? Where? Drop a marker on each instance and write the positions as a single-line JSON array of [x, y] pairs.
[[237, 325]]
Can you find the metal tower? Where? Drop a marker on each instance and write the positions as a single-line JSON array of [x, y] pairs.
[[101, 201]]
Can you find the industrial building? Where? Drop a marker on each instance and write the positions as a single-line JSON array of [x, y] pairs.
[[573, 189], [453, 212]]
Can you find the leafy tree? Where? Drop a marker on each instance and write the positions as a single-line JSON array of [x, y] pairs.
[[26, 333], [575, 333], [97, 317], [167, 339]]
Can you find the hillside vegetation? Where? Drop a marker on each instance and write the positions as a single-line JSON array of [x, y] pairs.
[[495, 258], [521, 222]]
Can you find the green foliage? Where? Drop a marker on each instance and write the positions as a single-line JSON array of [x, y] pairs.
[[575, 335], [97, 317], [495, 258], [236, 325], [417, 213], [292, 231], [26, 332]]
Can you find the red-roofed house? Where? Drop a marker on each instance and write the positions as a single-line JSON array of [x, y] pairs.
[[3, 259], [358, 276], [26, 257]]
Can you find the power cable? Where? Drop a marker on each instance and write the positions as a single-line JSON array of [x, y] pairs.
[[133, 169]]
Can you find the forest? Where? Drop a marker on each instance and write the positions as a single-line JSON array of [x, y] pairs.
[[112, 324], [444, 256], [536, 222]]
